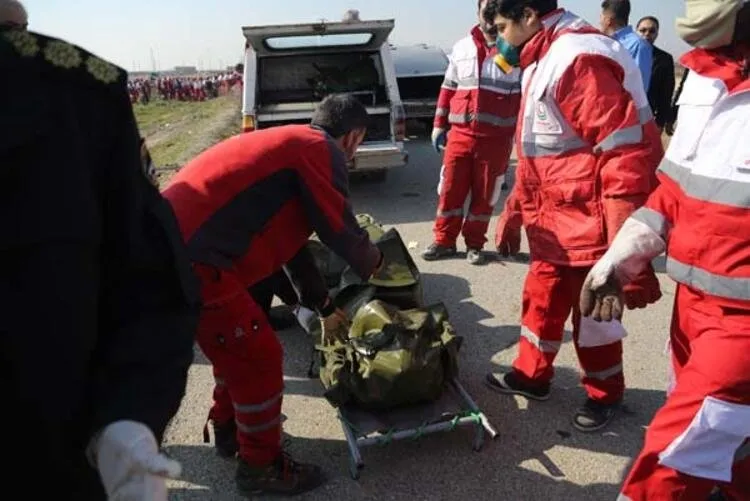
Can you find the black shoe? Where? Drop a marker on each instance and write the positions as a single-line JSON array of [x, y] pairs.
[[283, 477], [435, 251], [476, 257], [510, 384], [225, 439], [594, 415]]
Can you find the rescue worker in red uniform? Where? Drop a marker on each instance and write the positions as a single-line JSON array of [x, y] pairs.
[[699, 215], [587, 146], [479, 102], [246, 207]]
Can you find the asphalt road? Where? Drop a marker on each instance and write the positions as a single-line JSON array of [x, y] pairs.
[[537, 455]]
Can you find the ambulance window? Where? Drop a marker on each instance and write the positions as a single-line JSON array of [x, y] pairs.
[[314, 41]]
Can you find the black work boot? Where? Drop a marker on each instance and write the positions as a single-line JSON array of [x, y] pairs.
[[594, 415], [435, 252], [284, 477], [225, 439], [476, 257], [510, 384]]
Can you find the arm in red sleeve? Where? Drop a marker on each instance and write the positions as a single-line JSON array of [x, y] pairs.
[[324, 191], [660, 211], [592, 98], [447, 91]]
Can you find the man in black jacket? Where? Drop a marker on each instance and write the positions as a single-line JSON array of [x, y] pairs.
[[99, 303], [662, 77]]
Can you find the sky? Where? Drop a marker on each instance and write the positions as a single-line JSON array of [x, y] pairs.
[[147, 35]]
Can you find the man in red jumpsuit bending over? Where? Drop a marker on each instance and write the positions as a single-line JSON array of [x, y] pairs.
[[479, 102], [247, 207], [587, 151]]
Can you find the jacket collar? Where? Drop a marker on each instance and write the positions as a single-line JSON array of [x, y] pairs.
[[724, 63], [555, 24]]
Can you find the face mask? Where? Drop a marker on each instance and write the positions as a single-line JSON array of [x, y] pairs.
[[507, 56]]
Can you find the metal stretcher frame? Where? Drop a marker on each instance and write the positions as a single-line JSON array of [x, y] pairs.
[[470, 415]]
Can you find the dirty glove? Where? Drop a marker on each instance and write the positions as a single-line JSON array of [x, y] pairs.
[[602, 297], [626, 261], [644, 290], [508, 234], [439, 137], [129, 463], [335, 327]]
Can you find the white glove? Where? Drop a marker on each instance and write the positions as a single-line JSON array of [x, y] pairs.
[[130, 465], [634, 246]]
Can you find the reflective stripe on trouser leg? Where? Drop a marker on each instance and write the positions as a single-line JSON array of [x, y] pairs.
[[546, 306], [239, 342], [692, 442], [491, 157], [601, 366], [455, 187]]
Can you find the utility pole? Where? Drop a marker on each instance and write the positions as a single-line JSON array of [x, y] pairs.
[[153, 59]]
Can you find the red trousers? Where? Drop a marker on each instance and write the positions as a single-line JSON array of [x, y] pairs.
[[550, 294], [471, 166], [693, 441], [247, 358]]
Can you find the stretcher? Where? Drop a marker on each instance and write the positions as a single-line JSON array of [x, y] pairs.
[[455, 408]]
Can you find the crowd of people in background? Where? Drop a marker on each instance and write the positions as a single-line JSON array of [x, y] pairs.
[[183, 88]]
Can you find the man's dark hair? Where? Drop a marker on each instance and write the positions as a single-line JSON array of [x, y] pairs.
[[620, 10], [648, 18], [339, 114], [513, 9]]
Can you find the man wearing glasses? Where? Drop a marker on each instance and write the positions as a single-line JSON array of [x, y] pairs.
[[661, 89]]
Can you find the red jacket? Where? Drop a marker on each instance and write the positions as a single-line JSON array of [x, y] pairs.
[[476, 97], [702, 206], [251, 202], [587, 146]]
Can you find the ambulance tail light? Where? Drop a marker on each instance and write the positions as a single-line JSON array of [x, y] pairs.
[[399, 122], [248, 123]]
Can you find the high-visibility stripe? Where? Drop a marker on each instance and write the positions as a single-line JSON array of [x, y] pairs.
[[487, 83], [621, 137], [709, 189], [710, 283], [450, 84], [487, 118], [480, 217], [657, 222], [557, 147], [645, 115], [255, 408], [451, 213], [542, 345], [441, 112], [245, 428], [606, 373]]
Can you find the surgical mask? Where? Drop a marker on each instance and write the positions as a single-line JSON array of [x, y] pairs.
[[507, 56]]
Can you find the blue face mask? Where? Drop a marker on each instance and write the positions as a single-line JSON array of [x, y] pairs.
[[507, 56]]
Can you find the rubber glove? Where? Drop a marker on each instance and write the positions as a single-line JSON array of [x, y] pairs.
[[439, 137], [130, 465], [626, 261]]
